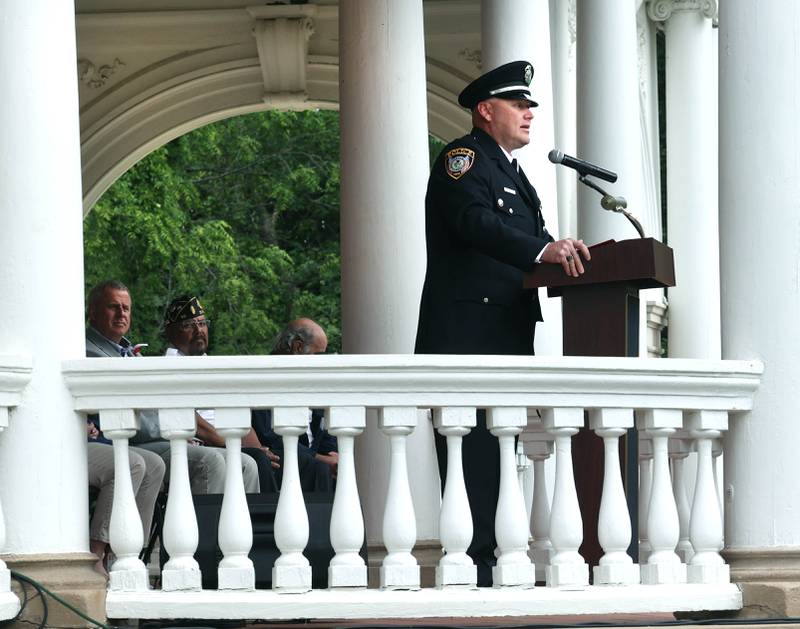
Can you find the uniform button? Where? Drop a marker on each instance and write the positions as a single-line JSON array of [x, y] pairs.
[[511, 210], [499, 202], [486, 300]]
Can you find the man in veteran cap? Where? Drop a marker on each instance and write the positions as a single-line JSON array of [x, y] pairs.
[[484, 230]]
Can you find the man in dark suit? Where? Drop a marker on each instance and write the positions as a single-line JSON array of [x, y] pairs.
[[484, 230]]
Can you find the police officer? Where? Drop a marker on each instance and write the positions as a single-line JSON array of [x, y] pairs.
[[484, 230]]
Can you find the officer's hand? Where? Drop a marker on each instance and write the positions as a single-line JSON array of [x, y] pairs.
[[567, 253]]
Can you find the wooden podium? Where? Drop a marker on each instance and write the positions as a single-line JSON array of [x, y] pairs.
[[600, 314]]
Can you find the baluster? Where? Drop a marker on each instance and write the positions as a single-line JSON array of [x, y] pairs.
[[678, 453], [5, 573], [705, 530], [663, 528], [567, 567], [180, 535], [455, 522], [291, 572], [235, 534], [399, 570], [347, 568], [645, 485], [716, 452], [126, 537], [514, 567], [525, 479], [614, 521], [542, 549]]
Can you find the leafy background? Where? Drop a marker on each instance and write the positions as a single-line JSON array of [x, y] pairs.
[[243, 213]]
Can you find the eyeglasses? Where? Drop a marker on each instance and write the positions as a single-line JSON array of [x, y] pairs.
[[200, 325]]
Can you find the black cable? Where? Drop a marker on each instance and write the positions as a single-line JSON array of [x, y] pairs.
[[42, 590]]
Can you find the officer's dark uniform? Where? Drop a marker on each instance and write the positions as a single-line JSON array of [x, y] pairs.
[[484, 229]]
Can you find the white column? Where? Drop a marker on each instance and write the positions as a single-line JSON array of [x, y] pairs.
[[760, 247], [384, 155], [43, 452], [645, 485], [520, 29], [609, 128], [562, 47], [692, 182]]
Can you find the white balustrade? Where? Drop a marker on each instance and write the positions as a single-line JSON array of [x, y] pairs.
[[180, 534], [705, 531], [291, 572], [400, 570], [614, 522], [235, 534], [347, 568], [679, 450], [5, 573], [645, 485], [455, 568], [663, 528], [511, 529], [567, 567], [126, 536], [662, 392], [525, 478]]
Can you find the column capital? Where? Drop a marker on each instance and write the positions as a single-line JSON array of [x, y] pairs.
[[662, 10]]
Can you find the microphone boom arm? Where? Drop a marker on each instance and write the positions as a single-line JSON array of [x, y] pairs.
[[613, 204]]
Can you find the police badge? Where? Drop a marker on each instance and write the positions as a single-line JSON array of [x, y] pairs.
[[528, 74], [459, 161]]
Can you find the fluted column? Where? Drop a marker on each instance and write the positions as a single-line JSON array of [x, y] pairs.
[[384, 158], [609, 131], [692, 184], [759, 84]]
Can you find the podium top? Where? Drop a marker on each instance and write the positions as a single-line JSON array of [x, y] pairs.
[[641, 262]]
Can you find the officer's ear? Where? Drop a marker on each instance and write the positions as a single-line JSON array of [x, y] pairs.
[[485, 110]]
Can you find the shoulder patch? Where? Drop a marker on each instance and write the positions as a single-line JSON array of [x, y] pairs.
[[458, 161]]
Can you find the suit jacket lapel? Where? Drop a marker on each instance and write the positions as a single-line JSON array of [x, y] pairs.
[[496, 153]]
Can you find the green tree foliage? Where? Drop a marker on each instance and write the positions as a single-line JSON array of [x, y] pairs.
[[243, 213]]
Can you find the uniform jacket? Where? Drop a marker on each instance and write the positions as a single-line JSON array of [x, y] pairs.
[[484, 229]]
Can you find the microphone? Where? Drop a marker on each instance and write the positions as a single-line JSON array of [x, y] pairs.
[[583, 168]]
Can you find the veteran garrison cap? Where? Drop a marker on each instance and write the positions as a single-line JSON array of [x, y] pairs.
[[183, 308], [511, 80]]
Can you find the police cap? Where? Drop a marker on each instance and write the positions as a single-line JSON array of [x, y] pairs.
[[511, 80]]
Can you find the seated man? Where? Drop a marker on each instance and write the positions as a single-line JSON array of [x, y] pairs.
[[109, 319], [317, 453], [110, 309], [186, 329]]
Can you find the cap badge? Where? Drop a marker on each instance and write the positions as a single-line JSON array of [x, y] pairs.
[[528, 74], [459, 161]]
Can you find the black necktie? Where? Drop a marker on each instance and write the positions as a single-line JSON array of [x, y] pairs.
[[515, 165]]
